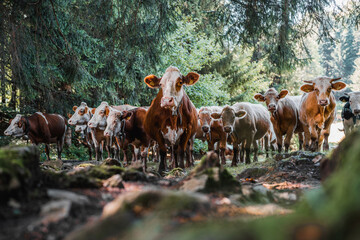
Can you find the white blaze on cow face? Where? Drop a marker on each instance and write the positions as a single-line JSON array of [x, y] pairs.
[[171, 84], [271, 98], [16, 127], [81, 115], [172, 135], [98, 119], [228, 116], [354, 100], [323, 87], [81, 129]]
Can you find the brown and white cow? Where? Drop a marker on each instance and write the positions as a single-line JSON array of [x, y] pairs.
[[211, 130], [284, 116], [246, 123], [80, 118], [172, 118], [128, 126], [41, 128], [317, 110]]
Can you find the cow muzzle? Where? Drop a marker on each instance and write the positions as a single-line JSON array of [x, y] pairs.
[[92, 125], [205, 129], [7, 133], [356, 111], [272, 107], [167, 102], [228, 129], [107, 134], [323, 102]]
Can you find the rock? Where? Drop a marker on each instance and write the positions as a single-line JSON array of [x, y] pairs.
[[53, 164], [209, 176], [255, 172], [67, 195], [114, 181], [195, 184], [55, 211], [134, 175], [19, 171], [111, 162], [131, 207]]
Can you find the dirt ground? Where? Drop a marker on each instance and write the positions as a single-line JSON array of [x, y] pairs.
[[269, 187]]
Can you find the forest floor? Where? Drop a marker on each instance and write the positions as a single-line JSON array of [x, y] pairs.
[[271, 186]]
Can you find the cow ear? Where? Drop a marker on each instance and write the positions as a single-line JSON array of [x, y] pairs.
[[216, 115], [307, 88], [69, 115], [126, 115], [338, 85], [283, 93], [86, 110], [107, 111], [344, 98], [191, 78], [240, 114], [152, 81], [93, 110], [259, 97], [74, 108]]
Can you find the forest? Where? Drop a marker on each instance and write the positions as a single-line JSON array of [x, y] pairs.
[[68, 57]]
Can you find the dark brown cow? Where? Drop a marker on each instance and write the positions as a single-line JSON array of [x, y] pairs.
[[129, 125], [284, 116], [171, 118], [317, 110], [41, 128]]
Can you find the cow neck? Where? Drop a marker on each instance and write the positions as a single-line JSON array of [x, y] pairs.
[[176, 112], [27, 126]]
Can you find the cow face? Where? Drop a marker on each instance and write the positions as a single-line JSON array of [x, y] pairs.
[[228, 117], [171, 84], [205, 119], [354, 100], [81, 115], [323, 86], [98, 119], [271, 98], [81, 129], [16, 127], [114, 122]]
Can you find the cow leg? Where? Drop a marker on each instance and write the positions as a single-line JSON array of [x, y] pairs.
[[242, 152], [236, 153], [307, 137], [247, 150], [301, 140], [266, 143], [47, 151], [279, 140], [144, 153], [256, 150], [59, 148], [289, 134]]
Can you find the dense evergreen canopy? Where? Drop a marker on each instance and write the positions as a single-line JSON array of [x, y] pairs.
[[54, 53]]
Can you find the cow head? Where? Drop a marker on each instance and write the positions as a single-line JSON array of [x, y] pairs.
[[98, 119], [205, 119], [16, 127], [114, 122], [171, 84], [271, 98], [81, 130], [354, 100], [228, 117], [323, 86], [81, 115]]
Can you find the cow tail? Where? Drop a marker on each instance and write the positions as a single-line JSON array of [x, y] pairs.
[[68, 135]]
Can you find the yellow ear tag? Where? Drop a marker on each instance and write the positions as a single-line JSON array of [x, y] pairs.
[[128, 118]]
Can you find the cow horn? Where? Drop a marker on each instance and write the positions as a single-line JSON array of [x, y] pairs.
[[334, 79]]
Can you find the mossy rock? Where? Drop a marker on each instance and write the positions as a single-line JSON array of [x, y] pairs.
[[19, 170]]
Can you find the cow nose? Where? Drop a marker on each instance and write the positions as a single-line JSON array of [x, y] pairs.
[[167, 102], [272, 106], [6, 133], [323, 102], [205, 128], [227, 129], [107, 134], [356, 111]]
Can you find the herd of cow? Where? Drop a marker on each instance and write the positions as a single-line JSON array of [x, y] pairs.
[[172, 122]]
